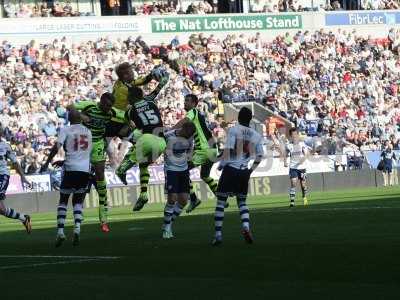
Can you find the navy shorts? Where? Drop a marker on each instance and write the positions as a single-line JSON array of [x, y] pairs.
[[387, 165], [177, 182], [233, 182], [299, 174], [74, 182], [4, 181]]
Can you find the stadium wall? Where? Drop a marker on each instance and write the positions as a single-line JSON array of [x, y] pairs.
[[259, 186], [158, 29]]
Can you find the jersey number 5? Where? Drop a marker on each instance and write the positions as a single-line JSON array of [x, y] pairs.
[[149, 117], [81, 142]]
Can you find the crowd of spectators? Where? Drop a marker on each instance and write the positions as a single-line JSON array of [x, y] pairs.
[[172, 8], [65, 9], [24, 10], [338, 88]]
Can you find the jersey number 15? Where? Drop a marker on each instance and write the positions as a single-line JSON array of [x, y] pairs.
[[81, 142], [149, 117]]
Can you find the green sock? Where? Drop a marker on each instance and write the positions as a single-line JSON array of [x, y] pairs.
[[144, 178], [213, 184], [103, 205]]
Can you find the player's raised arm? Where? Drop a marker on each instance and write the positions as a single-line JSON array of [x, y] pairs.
[[283, 153], [53, 153], [80, 108], [153, 95]]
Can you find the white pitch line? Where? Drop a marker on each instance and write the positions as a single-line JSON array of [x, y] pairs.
[[71, 260], [61, 256], [135, 228], [47, 264]]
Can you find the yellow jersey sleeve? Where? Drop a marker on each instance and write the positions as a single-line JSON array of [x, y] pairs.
[[121, 90]]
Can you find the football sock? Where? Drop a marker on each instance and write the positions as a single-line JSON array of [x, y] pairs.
[[61, 215], [144, 177], [103, 205], [219, 215], [244, 212], [304, 191], [13, 214], [168, 213], [292, 194], [78, 217], [177, 211]]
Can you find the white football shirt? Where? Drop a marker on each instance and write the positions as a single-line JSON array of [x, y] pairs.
[[6, 154], [177, 153], [296, 153], [245, 144], [77, 143]]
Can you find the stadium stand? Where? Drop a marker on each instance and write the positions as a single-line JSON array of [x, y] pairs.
[[340, 86]]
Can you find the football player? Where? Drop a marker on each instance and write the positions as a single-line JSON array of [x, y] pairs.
[[76, 140]]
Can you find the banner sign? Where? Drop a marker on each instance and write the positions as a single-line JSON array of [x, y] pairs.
[[268, 167], [362, 18], [72, 26], [40, 183], [133, 176], [226, 23]]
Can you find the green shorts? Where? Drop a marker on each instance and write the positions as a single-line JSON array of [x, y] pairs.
[[119, 116], [148, 148], [202, 156], [98, 153]]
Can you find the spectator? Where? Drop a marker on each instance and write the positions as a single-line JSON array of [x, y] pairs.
[[341, 88]]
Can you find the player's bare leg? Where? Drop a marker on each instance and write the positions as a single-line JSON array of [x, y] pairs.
[[101, 187], [12, 214]]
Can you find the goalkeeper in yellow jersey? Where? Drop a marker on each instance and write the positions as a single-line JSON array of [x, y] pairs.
[[122, 86]]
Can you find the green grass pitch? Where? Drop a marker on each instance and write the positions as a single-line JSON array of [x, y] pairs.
[[344, 245]]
